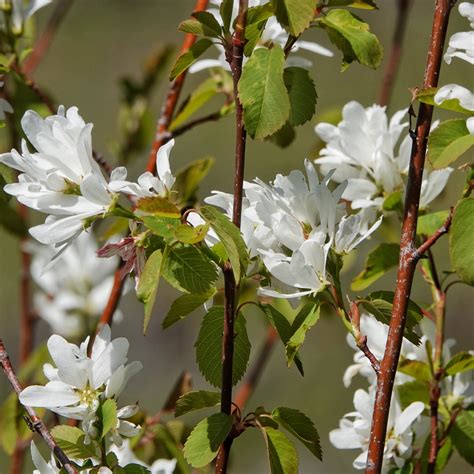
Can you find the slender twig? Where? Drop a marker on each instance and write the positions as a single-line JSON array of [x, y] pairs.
[[408, 252], [234, 55], [428, 243], [247, 388], [452, 421], [44, 41], [393, 62], [34, 421], [213, 117], [174, 91]]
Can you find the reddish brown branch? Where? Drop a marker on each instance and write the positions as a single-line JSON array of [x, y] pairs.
[[44, 41], [213, 117], [408, 252], [393, 62], [247, 389], [174, 91], [35, 422], [428, 243]]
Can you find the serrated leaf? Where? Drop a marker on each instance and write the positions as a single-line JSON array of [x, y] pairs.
[[283, 137], [363, 4], [415, 368], [353, 38], [72, 441], [188, 269], [203, 443], [256, 20], [202, 24], [462, 435], [448, 141], [461, 362], [230, 237], [263, 93], [428, 224], [157, 206], [192, 401], [209, 347], [191, 235], [282, 453], [135, 469], [427, 96], [294, 15], [379, 304], [413, 391], [189, 57], [162, 226], [461, 250], [189, 178], [302, 94], [299, 425], [380, 259], [148, 284], [107, 415], [304, 321], [183, 306], [200, 97]]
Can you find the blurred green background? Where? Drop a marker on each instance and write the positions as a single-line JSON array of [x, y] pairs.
[[99, 42]]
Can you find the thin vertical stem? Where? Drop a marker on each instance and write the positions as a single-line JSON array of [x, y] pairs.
[[408, 253], [230, 290], [393, 62]]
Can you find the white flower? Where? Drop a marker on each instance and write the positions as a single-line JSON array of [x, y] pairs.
[[362, 150], [354, 430], [273, 32], [21, 11], [61, 178], [148, 184], [71, 295], [461, 45], [42, 467], [453, 91], [78, 382]]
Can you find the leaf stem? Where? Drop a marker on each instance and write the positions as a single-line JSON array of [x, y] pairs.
[[408, 252]]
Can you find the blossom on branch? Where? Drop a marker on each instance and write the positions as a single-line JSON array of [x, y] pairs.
[[461, 44]]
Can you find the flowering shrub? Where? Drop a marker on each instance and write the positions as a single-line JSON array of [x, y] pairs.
[[281, 247]]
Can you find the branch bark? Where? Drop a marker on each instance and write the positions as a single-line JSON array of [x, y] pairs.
[[408, 260], [174, 91], [393, 63], [35, 422]]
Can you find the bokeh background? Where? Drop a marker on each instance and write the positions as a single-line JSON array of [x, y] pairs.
[[102, 40]]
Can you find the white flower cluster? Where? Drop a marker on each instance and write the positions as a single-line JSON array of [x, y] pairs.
[[461, 45], [273, 32], [362, 149], [405, 426], [72, 295]]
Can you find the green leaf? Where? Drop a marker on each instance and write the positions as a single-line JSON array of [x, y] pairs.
[[72, 441], [157, 206], [188, 234], [263, 93], [148, 284], [294, 15], [230, 237], [189, 57], [283, 328], [448, 141], [183, 306], [203, 443], [428, 224], [189, 178], [162, 226], [200, 97], [353, 38], [304, 321], [381, 259], [462, 435], [284, 137], [302, 94], [9, 424], [226, 13], [209, 347], [136, 469], [107, 415], [202, 24], [282, 453], [256, 20], [415, 368], [461, 362], [427, 96], [299, 425], [406, 469], [393, 202], [461, 249], [187, 268], [379, 304], [363, 4], [192, 401], [413, 391]]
